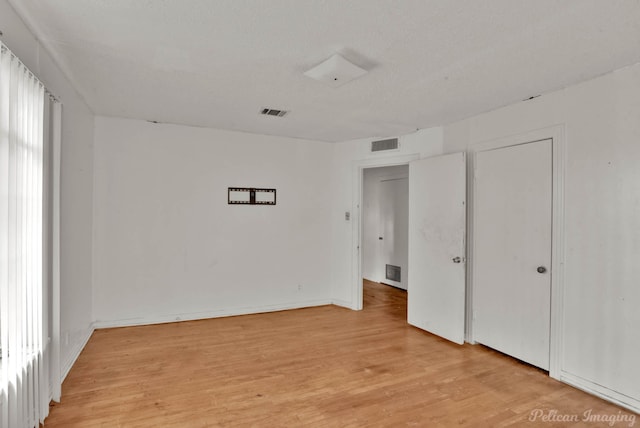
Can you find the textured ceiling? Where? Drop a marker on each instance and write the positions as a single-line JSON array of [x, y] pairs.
[[216, 63]]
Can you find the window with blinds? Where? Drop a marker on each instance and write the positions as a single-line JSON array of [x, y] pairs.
[[23, 327]]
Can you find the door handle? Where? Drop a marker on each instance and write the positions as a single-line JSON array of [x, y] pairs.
[[380, 238], [541, 269], [457, 259]]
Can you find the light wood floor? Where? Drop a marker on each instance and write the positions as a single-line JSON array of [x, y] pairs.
[[319, 367]]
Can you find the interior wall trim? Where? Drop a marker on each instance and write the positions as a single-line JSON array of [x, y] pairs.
[[218, 313]]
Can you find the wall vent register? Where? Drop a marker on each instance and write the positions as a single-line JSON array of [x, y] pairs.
[[381, 145], [273, 112], [392, 273]]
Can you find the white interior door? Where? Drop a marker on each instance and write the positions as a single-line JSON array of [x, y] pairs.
[[512, 252], [437, 212], [393, 238]]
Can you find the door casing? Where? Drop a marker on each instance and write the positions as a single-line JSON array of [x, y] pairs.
[[557, 136], [358, 170]]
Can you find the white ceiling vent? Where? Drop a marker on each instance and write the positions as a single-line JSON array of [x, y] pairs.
[[273, 112], [381, 145], [336, 71]]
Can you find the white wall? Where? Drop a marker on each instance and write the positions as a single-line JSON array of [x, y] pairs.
[[372, 260], [348, 158], [167, 245], [76, 185], [600, 343]]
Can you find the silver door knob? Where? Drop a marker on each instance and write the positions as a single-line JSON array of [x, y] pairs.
[[457, 259], [541, 269]]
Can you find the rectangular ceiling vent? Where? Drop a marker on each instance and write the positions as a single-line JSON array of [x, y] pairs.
[[273, 112], [380, 145]]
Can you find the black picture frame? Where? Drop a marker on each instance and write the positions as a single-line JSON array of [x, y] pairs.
[[255, 196]]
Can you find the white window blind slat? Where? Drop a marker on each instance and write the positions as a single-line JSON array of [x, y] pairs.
[[24, 376]]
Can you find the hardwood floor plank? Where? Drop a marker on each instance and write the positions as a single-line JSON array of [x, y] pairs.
[[320, 367]]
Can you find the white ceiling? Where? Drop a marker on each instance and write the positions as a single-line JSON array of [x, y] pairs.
[[216, 63]]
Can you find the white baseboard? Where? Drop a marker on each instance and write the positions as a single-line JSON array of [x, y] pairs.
[[75, 353], [161, 319], [605, 393], [342, 303]]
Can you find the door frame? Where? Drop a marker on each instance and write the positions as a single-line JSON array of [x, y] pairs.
[[557, 136], [356, 255]]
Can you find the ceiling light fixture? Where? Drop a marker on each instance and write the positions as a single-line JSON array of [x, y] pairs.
[[335, 71]]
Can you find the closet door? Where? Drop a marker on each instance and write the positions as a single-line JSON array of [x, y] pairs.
[[512, 252]]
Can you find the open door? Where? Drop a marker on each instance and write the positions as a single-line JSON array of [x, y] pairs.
[[437, 220]]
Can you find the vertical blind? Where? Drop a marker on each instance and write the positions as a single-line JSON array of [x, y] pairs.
[[23, 324]]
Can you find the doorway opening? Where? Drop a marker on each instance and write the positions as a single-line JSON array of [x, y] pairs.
[[384, 226], [436, 241], [357, 177]]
